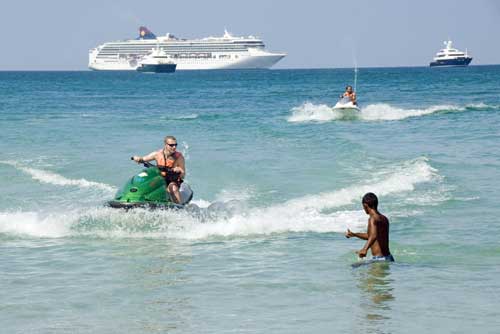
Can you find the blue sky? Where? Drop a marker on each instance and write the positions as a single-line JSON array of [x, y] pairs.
[[56, 35]]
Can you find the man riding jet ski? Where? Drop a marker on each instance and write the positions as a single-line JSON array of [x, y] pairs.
[[347, 100], [150, 187]]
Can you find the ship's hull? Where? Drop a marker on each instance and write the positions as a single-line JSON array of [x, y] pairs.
[[462, 61], [259, 61], [159, 68]]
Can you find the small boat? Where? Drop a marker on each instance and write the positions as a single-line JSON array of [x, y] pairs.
[[156, 62], [450, 57], [345, 103]]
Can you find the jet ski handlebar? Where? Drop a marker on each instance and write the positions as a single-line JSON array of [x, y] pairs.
[[163, 169], [145, 163]]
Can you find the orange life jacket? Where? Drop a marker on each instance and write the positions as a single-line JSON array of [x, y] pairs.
[[352, 96], [163, 161]]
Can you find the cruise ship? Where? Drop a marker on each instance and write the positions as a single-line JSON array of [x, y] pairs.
[[450, 57], [226, 52]]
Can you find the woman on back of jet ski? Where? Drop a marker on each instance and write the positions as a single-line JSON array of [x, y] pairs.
[[172, 167]]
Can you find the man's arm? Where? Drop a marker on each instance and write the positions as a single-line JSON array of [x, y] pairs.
[[149, 157], [181, 166], [350, 234], [372, 237]]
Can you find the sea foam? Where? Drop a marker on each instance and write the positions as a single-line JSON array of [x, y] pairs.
[[326, 212], [309, 112], [386, 112], [57, 179]]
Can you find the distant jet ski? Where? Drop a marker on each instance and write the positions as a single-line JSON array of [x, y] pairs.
[[147, 190], [345, 103]]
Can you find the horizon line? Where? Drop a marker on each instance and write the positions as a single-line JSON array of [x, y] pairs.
[[270, 69]]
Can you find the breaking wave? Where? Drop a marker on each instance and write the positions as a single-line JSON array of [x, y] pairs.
[[386, 112], [309, 112], [186, 117], [326, 212], [57, 179]]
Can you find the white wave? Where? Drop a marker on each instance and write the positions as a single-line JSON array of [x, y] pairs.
[[202, 203], [35, 225], [386, 112], [57, 179], [190, 116], [226, 195], [309, 112], [480, 105], [305, 214], [111, 223], [179, 117], [467, 199], [272, 220], [402, 178]]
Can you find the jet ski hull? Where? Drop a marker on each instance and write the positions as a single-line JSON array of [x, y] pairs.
[[344, 108], [147, 190], [345, 104], [143, 205]]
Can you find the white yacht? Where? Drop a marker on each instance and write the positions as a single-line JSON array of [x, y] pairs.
[[226, 52], [156, 62], [451, 57]]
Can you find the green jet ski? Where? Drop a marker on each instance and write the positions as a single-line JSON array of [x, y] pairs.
[[147, 190]]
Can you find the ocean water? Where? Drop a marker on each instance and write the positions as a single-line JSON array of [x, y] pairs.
[[278, 176]]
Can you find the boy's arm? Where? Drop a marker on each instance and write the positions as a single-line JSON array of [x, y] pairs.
[[350, 234], [372, 237]]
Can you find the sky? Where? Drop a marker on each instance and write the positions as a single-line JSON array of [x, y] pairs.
[[56, 34]]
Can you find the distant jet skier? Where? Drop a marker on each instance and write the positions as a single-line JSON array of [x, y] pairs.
[[350, 94], [347, 101]]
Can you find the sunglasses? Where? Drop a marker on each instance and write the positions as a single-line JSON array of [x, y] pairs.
[[172, 145]]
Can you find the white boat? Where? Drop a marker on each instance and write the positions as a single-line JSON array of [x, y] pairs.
[[156, 62], [346, 104], [226, 52], [450, 57]]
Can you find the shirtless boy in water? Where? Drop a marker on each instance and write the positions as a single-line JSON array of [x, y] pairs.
[[377, 236]]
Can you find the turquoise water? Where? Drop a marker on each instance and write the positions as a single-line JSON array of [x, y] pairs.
[[286, 174]]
